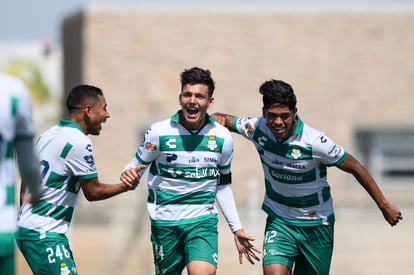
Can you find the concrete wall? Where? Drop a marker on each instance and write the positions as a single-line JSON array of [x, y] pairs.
[[349, 66]]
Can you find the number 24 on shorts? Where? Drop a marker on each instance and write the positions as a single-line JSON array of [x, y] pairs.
[[59, 252]]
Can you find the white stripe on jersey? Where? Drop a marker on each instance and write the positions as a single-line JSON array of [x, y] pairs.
[[66, 155]]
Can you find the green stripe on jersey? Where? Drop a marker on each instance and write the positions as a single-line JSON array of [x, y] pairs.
[[298, 202], [9, 150], [167, 197], [10, 198], [191, 143], [54, 211], [14, 105], [66, 150], [289, 151], [57, 181]]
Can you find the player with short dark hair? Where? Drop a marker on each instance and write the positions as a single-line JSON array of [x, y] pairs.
[[300, 224], [189, 158], [67, 165]]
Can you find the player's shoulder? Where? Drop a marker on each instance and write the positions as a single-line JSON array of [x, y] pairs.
[[311, 134], [12, 85]]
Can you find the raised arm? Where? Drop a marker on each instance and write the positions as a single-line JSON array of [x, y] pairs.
[[224, 119], [351, 165]]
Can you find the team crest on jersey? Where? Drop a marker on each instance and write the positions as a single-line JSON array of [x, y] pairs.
[[64, 270], [295, 153], [212, 143]]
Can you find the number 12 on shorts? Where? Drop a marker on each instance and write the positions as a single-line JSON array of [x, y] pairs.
[[269, 236]]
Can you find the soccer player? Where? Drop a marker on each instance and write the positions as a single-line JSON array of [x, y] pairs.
[[300, 224], [67, 165], [16, 136], [189, 157]]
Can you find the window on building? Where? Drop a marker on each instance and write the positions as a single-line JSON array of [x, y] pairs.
[[388, 155]]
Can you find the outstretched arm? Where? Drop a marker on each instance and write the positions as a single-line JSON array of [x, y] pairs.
[[94, 190], [224, 119], [391, 213]]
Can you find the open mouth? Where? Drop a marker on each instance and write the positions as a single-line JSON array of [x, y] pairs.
[[192, 111]]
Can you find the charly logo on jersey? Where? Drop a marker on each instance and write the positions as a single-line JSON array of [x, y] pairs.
[[212, 143], [89, 147], [261, 140], [171, 143]]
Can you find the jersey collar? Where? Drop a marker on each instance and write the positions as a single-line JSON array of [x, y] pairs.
[[69, 123], [176, 117], [299, 126]]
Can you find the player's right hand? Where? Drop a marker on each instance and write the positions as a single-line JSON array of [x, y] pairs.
[[130, 177]]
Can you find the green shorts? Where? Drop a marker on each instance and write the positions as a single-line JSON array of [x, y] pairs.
[[7, 253], [49, 256], [175, 246], [307, 248]]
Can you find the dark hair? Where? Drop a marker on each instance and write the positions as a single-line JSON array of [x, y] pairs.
[[277, 92], [197, 75], [81, 95]]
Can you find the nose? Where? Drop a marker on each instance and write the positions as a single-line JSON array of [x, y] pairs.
[[192, 99], [277, 120]]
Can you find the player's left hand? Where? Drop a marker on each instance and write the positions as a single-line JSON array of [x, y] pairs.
[[245, 247]]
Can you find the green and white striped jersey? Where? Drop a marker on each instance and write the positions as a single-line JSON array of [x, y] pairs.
[[295, 171], [15, 123], [184, 169], [66, 156]]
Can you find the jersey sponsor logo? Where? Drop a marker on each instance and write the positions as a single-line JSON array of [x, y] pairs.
[[199, 173], [285, 177], [335, 151], [90, 160], [193, 160], [295, 165], [171, 158], [210, 159]]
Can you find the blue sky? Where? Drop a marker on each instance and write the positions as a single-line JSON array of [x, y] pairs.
[[40, 19]]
